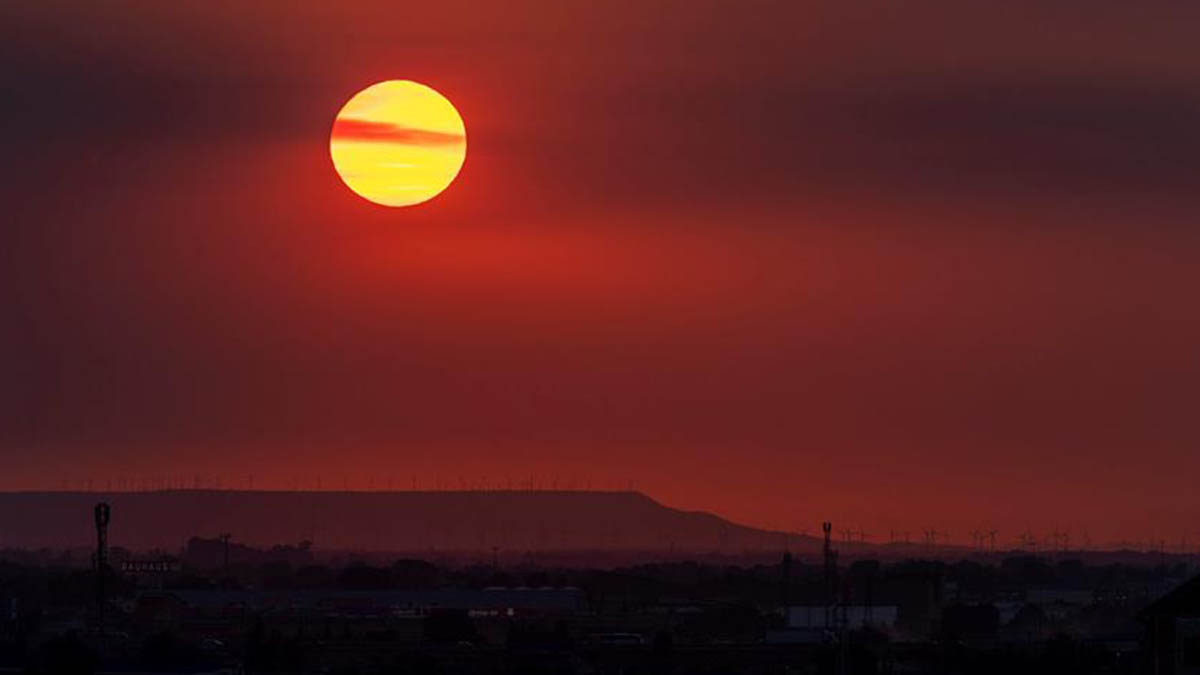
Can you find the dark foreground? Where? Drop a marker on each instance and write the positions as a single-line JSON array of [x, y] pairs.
[[287, 610]]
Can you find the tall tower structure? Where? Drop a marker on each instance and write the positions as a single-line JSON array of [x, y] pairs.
[[786, 583], [101, 515], [830, 558]]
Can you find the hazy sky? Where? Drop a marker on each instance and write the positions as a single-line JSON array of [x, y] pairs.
[[896, 264]]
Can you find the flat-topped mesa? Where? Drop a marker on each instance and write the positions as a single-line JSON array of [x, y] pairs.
[[446, 521]]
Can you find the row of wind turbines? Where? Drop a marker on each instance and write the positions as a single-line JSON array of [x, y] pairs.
[[988, 539]]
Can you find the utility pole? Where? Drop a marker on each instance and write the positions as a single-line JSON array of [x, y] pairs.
[[830, 559], [785, 594], [101, 514]]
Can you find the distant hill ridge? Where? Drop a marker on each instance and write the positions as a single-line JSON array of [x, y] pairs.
[[449, 521]]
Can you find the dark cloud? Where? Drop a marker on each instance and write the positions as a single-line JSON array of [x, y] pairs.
[[351, 129], [1054, 136]]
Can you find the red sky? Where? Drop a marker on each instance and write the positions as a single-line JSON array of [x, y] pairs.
[[785, 261]]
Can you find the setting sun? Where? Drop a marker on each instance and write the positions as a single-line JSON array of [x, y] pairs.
[[398, 143]]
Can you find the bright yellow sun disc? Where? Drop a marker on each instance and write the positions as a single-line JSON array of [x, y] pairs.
[[398, 143]]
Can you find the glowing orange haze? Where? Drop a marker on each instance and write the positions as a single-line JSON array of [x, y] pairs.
[[916, 267]]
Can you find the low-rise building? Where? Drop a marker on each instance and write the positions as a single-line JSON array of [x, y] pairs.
[[879, 617], [1173, 631]]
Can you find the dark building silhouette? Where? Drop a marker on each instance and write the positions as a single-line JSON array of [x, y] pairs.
[[1173, 631]]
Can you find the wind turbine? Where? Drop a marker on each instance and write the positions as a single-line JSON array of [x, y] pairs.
[[1027, 541]]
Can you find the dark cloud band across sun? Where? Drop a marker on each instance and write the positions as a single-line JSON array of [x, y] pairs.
[[349, 129]]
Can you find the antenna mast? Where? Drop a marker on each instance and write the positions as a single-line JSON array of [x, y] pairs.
[[101, 514]]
